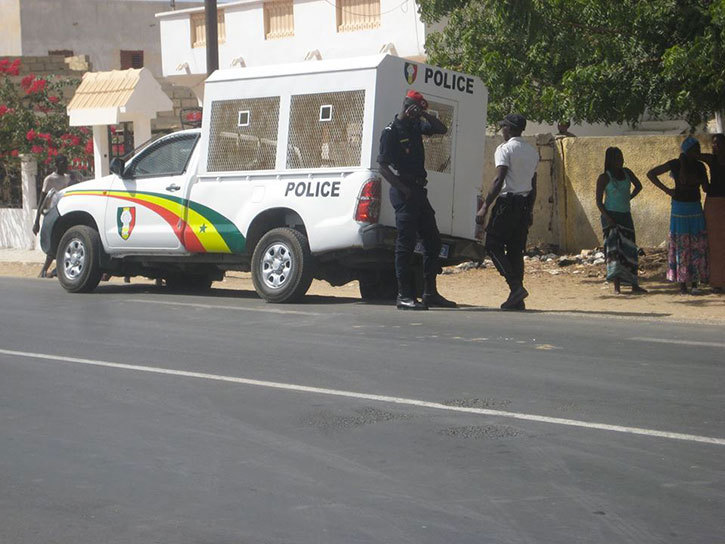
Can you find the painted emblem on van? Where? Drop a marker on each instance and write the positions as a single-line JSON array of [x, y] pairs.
[[125, 220], [410, 72]]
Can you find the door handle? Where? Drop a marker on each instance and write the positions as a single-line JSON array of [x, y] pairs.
[[173, 187]]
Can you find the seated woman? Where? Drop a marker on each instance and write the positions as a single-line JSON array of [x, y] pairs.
[[614, 193], [687, 242]]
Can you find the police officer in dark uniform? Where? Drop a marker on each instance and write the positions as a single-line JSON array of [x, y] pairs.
[[401, 146]]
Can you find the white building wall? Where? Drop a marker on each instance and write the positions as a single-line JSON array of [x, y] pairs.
[[10, 30], [315, 29]]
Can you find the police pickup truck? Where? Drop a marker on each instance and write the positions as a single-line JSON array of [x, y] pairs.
[[280, 180]]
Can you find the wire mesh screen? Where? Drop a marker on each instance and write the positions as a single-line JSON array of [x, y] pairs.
[[326, 130], [438, 147], [243, 134]]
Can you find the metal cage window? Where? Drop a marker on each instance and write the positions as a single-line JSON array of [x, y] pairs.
[[326, 113], [234, 146], [331, 144], [438, 148], [243, 119]]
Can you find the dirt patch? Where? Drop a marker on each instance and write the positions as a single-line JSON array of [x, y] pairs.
[[578, 288]]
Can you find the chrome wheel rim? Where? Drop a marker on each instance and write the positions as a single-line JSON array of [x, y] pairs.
[[74, 258], [276, 265]]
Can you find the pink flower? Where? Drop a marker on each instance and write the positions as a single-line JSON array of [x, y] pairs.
[[4, 63], [44, 136], [14, 68], [53, 99], [36, 149], [113, 129], [27, 81], [3, 109], [14, 153], [89, 147], [75, 140], [30, 136], [37, 86]]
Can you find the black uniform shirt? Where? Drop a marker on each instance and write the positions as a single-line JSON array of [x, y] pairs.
[[401, 145]]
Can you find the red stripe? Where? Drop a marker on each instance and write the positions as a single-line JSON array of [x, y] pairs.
[[186, 236]]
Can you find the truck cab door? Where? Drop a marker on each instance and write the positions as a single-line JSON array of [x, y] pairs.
[[146, 207]]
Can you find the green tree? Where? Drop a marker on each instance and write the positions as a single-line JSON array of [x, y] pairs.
[[599, 61]]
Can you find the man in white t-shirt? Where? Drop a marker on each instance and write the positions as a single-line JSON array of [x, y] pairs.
[[53, 184], [515, 187]]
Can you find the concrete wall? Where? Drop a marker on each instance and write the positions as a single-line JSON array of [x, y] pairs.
[[98, 28], [10, 30], [315, 28], [579, 161]]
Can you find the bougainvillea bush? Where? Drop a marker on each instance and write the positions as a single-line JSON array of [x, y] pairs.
[[33, 121]]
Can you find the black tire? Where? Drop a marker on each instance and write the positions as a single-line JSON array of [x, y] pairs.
[[78, 259], [190, 283], [282, 265], [378, 285]]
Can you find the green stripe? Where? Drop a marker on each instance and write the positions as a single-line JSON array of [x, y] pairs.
[[226, 229]]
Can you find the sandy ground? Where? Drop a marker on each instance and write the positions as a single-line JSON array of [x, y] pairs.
[[578, 289]]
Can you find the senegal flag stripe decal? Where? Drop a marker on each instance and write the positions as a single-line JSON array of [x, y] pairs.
[[203, 230]]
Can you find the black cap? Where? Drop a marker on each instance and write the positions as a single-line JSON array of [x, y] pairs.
[[515, 121]]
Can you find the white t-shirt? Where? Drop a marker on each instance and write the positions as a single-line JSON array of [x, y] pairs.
[[521, 160], [53, 184]]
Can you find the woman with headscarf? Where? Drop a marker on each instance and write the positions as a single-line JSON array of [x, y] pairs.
[[616, 187], [687, 241], [715, 211]]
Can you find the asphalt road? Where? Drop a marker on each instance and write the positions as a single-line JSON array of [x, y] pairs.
[[132, 415]]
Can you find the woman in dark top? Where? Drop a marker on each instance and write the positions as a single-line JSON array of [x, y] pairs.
[[715, 211], [616, 187], [687, 242]]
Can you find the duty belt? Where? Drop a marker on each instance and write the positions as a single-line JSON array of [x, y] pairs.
[[412, 180]]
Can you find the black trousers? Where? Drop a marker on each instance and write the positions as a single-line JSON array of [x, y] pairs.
[[506, 236], [414, 216]]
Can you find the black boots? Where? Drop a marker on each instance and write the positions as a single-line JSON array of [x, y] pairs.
[[516, 298], [432, 298], [406, 297]]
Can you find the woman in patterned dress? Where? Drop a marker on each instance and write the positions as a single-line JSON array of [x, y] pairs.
[[687, 242]]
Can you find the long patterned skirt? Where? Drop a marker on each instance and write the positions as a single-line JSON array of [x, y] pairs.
[[687, 243], [715, 220], [620, 248]]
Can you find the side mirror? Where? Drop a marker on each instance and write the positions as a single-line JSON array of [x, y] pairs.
[[117, 166]]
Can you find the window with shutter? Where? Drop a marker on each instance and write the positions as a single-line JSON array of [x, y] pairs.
[[198, 28], [279, 19], [131, 59], [355, 15]]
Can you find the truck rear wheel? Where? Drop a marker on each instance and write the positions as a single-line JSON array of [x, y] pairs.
[[282, 265], [77, 259], [378, 285]]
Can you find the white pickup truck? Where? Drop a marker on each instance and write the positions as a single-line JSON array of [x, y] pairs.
[[281, 180]]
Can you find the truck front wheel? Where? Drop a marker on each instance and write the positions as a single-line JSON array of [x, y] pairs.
[[77, 260], [282, 265]]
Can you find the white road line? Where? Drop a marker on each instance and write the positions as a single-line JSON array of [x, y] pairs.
[[379, 398], [683, 342], [221, 307]]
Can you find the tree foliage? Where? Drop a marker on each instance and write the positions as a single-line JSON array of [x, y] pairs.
[[599, 61], [33, 120]]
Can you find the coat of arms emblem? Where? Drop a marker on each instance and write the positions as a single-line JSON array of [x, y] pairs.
[[126, 220]]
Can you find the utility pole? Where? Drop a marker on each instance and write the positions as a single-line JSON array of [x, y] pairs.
[[212, 36]]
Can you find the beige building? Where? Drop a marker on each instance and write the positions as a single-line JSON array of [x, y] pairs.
[[115, 34]]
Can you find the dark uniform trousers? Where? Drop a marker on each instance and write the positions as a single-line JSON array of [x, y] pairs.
[[506, 236], [412, 217]]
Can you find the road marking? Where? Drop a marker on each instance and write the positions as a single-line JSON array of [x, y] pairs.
[[221, 307], [367, 396], [683, 342]]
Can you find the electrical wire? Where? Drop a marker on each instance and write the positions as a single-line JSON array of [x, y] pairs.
[[366, 14]]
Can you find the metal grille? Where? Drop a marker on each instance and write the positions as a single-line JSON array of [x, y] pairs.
[[438, 147], [250, 147], [316, 143]]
